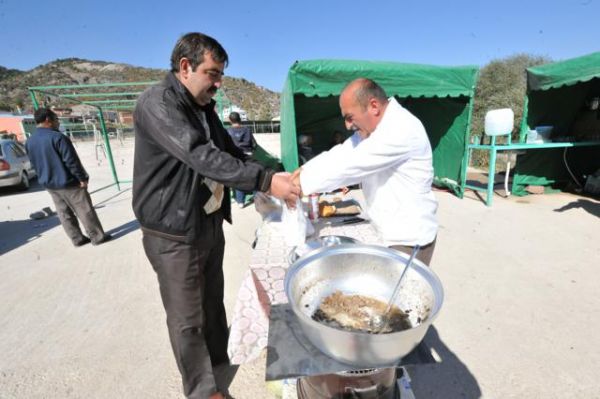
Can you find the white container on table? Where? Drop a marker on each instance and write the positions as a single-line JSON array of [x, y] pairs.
[[499, 122]]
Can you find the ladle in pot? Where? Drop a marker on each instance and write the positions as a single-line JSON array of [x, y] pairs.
[[379, 322]]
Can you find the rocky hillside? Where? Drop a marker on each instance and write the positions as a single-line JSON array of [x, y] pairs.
[[260, 103]]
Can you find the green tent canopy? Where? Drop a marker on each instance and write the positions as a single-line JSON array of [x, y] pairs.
[[441, 97], [556, 94], [564, 73]]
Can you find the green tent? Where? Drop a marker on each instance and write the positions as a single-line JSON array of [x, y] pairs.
[[441, 97], [556, 93]]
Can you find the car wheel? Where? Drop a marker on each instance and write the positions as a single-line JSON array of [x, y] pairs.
[[24, 184]]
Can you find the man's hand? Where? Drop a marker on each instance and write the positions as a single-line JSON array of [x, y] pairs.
[[83, 184], [296, 182], [296, 178], [283, 188]]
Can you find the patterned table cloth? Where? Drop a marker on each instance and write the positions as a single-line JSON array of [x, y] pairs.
[[263, 283]]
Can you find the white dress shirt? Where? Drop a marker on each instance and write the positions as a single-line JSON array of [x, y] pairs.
[[394, 167]]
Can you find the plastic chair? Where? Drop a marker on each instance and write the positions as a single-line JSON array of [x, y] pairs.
[[498, 122]]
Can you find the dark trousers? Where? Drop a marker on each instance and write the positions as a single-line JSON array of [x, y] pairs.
[[425, 253], [240, 196], [191, 283], [73, 203]]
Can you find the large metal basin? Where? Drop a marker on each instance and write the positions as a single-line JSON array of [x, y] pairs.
[[370, 271], [320, 242]]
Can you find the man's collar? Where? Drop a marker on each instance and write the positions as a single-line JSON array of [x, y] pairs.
[[392, 103]]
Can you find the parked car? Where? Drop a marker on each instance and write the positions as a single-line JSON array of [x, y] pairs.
[[15, 166]]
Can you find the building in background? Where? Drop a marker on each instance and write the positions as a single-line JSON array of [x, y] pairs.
[[19, 125], [233, 108], [224, 107], [126, 117]]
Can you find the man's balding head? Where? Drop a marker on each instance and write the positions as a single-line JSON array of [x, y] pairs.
[[363, 103], [363, 89]]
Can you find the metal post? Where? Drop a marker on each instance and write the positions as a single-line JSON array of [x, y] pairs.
[[108, 150], [491, 173], [219, 106], [465, 162], [507, 175], [524, 125], [34, 100]]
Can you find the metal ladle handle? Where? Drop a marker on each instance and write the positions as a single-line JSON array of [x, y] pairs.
[[397, 288]]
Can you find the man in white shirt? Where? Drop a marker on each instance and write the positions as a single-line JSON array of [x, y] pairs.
[[390, 156]]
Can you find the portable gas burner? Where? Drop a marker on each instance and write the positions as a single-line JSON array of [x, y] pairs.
[[367, 383], [291, 355]]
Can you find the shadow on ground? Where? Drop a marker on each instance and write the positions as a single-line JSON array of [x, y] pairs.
[[448, 379], [106, 201], [124, 229], [590, 207], [14, 233]]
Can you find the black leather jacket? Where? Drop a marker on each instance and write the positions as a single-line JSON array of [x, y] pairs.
[[173, 153]]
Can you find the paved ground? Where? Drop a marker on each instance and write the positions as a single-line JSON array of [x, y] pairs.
[[520, 318]]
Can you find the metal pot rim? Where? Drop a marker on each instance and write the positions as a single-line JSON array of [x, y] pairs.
[[417, 265], [322, 242]]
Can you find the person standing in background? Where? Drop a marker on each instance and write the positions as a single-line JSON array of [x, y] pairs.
[[61, 173], [305, 148], [242, 137], [336, 138]]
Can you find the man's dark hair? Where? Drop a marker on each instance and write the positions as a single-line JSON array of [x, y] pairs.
[[192, 46], [41, 114], [234, 117], [368, 89]]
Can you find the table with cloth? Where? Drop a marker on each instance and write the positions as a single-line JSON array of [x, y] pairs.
[[263, 284]]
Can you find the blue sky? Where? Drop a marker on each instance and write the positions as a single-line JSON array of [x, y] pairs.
[[264, 37]]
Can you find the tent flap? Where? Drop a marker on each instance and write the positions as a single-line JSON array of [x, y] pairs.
[[328, 77], [564, 73]]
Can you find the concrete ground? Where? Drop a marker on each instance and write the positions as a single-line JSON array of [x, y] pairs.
[[520, 318]]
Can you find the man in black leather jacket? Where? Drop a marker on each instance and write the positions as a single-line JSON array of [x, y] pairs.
[[183, 159]]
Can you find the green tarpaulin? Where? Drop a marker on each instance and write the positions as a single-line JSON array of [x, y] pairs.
[[563, 73], [441, 97], [556, 94]]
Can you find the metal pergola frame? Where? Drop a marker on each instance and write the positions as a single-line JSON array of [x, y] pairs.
[[104, 97]]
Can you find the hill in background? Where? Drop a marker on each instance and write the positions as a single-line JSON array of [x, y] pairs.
[[501, 83], [259, 103]]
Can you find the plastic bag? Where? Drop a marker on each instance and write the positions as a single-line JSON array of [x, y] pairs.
[[296, 225], [270, 208]]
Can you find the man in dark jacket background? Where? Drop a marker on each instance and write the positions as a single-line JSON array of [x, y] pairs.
[[61, 173], [183, 158], [242, 137]]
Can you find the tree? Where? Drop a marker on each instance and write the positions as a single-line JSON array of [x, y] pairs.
[[501, 84]]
